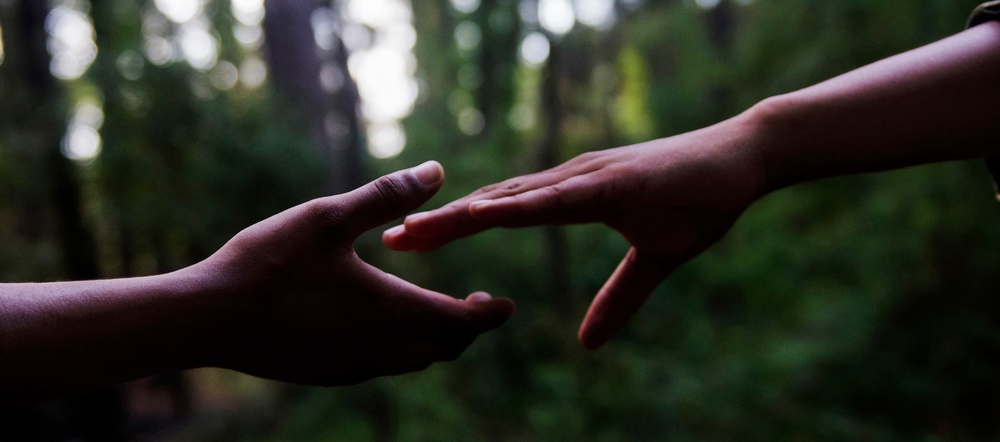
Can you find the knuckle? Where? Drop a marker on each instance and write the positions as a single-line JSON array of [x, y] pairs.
[[503, 188], [457, 205], [554, 195], [489, 188], [332, 220], [513, 186], [322, 211], [589, 160], [586, 157], [391, 191]]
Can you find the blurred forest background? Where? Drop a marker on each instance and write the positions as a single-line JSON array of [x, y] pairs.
[[137, 136]]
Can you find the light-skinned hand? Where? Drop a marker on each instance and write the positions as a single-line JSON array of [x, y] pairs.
[[669, 198]]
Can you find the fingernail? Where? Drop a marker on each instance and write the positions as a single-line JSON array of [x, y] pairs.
[[428, 173], [479, 297], [393, 231], [415, 216]]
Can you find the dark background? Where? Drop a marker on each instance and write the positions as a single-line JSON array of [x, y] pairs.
[[854, 308]]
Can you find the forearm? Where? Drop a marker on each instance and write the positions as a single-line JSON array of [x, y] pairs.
[[935, 103], [64, 337]]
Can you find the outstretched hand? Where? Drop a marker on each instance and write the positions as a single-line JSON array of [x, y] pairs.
[[311, 311], [671, 199]]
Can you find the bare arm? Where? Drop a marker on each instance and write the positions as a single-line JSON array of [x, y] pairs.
[[65, 337], [939, 102], [672, 198], [286, 299]]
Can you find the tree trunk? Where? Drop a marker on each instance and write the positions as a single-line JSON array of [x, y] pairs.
[[556, 255], [330, 117], [77, 244], [497, 60], [98, 415]]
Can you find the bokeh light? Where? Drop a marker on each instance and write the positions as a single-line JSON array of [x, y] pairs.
[[199, 46], [380, 37], [71, 41], [180, 11], [82, 141], [598, 14], [556, 16], [468, 36], [707, 4], [248, 12], [253, 72], [534, 49], [1, 45], [471, 121], [386, 140], [130, 65], [465, 6], [224, 76], [247, 30], [386, 83]]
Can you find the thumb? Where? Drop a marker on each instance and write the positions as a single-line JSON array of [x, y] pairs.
[[487, 312], [390, 196], [620, 298]]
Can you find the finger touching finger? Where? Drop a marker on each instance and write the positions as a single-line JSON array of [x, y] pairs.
[[621, 297]]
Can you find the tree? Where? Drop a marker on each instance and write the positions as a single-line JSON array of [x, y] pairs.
[[299, 65]]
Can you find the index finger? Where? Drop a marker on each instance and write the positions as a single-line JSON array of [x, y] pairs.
[[557, 196], [432, 229]]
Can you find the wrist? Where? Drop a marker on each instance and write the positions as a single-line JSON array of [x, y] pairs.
[[731, 153], [213, 314], [775, 134]]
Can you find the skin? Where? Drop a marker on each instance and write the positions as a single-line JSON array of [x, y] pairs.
[[673, 198], [285, 299]]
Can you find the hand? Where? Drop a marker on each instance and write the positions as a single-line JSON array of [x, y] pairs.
[[308, 310], [671, 199]]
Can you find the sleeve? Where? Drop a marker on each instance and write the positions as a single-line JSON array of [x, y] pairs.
[[984, 13]]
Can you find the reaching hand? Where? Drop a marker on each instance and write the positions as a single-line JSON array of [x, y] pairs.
[[310, 311], [671, 199]]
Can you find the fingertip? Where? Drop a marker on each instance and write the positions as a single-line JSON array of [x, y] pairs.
[[390, 238], [428, 173], [493, 312], [509, 306], [394, 231], [400, 239], [415, 225], [414, 217], [397, 239], [591, 340], [389, 197], [478, 297]]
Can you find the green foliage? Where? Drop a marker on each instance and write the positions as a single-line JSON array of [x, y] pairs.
[[855, 308]]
